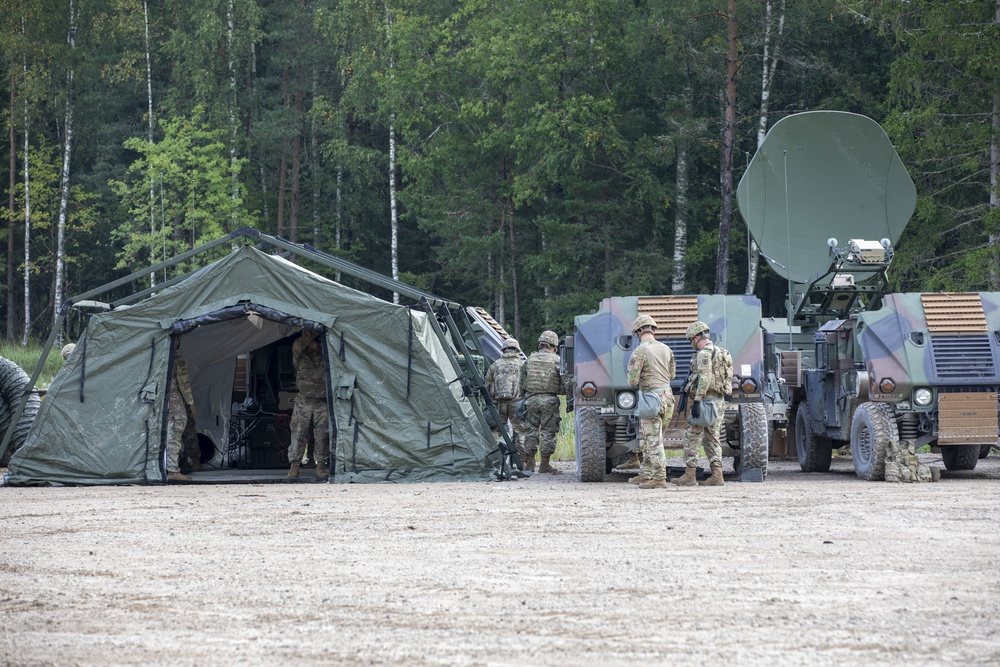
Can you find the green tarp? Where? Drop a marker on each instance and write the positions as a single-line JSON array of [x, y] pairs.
[[397, 413]]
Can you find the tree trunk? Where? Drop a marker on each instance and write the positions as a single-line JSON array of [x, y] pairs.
[[514, 282], [152, 183], [728, 143], [282, 172], [64, 189], [393, 216], [11, 206], [293, 222], [767, 79], [680, 216], [27, 207], [232, 113], [994, 239]]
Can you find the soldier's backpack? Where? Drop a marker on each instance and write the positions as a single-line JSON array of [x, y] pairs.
[[722, 371], [505, 382]]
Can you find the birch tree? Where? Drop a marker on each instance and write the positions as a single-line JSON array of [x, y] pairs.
[[64, 180]]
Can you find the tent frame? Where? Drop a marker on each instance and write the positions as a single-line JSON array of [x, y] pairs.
[[440, 309]]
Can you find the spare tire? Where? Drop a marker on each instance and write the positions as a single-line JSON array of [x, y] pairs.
[[13, 380]]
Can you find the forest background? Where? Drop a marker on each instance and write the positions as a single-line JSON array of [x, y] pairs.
[[525, 156]]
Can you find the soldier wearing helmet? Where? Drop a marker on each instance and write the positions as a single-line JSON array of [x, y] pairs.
[[699, 386], [503, 381], [540, 384], [180, 408], [651, 368]]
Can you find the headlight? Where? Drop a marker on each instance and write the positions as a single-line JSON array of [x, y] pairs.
[[923, 396], [589, 389], [626, 400]]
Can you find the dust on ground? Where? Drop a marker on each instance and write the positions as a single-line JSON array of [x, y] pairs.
[[802, 569]]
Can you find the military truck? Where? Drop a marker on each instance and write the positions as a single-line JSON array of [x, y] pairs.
[[598, 353], [826, 197]]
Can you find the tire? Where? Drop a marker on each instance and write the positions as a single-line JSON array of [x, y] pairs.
[[984, 451], [13, 380], [874, 425], [754, 429], [591, 445], [814, 451], [960, 457]]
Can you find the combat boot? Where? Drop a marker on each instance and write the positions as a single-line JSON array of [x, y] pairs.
[[632, 462], [293, 472], [196, 466], [545, 467], [178, 477], [322, 470], [654, 484], [638, 479], [689, 478], [528, 463], [716, 478]]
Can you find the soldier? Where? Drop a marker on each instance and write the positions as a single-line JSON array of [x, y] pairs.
[[179, 406], [503, 382], [651, 368], [541, 384], [702, 387], [310, 411]]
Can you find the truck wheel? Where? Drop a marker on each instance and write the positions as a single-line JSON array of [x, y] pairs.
[[984, 451], [960, 457], [871, 430], [753, 440], [815, 452], [591, 445], [13, 380]]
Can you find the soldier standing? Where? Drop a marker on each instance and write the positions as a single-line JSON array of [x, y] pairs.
[[503, 381], [179, 406], [651, 368], [310, 414], [702, 387], [541, 384]]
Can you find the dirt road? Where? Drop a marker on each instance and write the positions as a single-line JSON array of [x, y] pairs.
[[803, 569]]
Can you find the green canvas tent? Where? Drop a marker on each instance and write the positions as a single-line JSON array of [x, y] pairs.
[[397, 411]]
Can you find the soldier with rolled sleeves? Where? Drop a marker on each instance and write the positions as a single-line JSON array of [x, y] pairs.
[[651, 368], [541, 384], [310, 415], [180, 407], [503, 382], [701, 387]]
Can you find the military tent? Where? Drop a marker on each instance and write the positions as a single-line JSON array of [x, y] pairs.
[[396, 409]]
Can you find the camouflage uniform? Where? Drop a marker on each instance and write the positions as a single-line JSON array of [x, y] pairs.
[[511, 363], [700, 387], [651, 368], [310, 412], [181, 401], [541, 384]]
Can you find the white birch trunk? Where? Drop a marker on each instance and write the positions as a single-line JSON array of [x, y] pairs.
[[994, 240], [149, 114], [767, 80], [394, 220], [680, 218], [27, 207], [64, 190], [232, 114]]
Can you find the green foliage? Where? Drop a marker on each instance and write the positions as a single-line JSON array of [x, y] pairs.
[[193, 194]]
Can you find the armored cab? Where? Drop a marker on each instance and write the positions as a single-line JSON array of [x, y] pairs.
[[598, 353], [826, 197]]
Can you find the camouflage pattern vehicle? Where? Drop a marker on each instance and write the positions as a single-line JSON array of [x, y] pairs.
[[854, 365], [598, 353]]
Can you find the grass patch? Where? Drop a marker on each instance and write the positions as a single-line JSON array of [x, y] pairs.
[[27, 358]]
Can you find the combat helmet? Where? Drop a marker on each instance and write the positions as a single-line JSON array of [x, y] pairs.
[[695, 330], [510, 344], [549, 338], [642, 322], [67, 350]]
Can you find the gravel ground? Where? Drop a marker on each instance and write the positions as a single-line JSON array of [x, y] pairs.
[[802, 569]]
